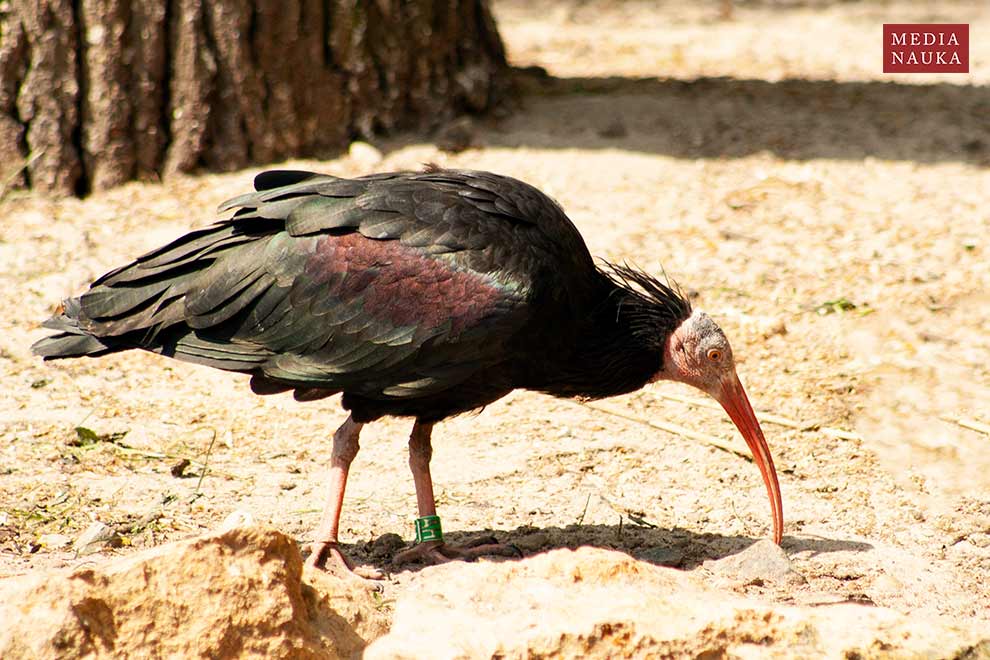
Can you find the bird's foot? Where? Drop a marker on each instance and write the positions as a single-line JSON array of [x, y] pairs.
[[326, 555], [438, 552]]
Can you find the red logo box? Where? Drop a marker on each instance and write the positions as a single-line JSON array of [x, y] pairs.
[[926, 48]]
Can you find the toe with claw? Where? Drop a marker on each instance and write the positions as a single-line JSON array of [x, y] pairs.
[[327, 556], [438, 552]]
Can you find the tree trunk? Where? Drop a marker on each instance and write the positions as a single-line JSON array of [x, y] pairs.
[[97, 92]]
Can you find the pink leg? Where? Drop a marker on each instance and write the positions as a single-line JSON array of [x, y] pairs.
[[420, 455], [436, 552], [325, 552]]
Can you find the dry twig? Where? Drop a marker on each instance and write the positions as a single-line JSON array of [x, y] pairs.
[[970, 424], [712, 440], [206, 462]]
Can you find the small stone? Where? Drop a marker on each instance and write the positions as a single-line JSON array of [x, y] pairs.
[[386, 545], [54, 541], [364, 154], [179, 469], [764, 560], [144, 521], [532, 542], [980, 539], [287, 485], [96, 537], [238, 518], [534, 71], [775, 327], [662, 556], [886, 584]]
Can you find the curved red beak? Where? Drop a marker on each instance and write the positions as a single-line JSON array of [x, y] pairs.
[[733, 398]]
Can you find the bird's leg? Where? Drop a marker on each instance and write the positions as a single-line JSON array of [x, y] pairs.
[[325, 552], [438, 552], [420, 455]]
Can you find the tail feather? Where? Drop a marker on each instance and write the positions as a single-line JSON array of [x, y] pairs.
[[66, 345], [70, 340], [146, 304]]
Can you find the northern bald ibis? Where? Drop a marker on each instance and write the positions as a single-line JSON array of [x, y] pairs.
[[416, 294]]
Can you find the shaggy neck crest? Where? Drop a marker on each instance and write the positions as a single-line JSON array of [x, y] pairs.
[[649, 308]]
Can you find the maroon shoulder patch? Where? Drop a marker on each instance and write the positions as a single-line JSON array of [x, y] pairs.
[[402, 285]]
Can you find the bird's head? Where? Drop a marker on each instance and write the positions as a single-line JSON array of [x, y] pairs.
[[695, 351], [698, 353]]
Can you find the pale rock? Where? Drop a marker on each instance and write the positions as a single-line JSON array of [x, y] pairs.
[[980, 539], [764, 562], [593, 603], [887, 584], [54, 541], [235, 594], [95, 537], [244, 593], [235, 519], [364, 155]]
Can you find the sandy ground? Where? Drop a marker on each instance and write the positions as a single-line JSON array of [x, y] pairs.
[[833, 220]]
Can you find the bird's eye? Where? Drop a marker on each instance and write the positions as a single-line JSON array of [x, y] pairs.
[[715, 355]]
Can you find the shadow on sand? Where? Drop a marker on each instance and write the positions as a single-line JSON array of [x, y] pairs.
[[674, 548], [794, 119]]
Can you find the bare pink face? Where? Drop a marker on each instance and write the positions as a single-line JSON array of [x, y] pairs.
[[697, 353]]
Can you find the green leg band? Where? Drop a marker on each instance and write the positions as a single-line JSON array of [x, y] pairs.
[[428, 529]]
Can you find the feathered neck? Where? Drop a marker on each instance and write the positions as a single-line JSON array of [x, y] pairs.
[[619, 346]]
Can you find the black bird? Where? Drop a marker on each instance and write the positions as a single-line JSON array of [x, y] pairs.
[[418, 294]]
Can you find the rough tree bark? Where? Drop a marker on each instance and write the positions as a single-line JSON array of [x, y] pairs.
[[97, 92]]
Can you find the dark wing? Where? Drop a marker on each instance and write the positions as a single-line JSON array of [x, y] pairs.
[[390, 286]]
